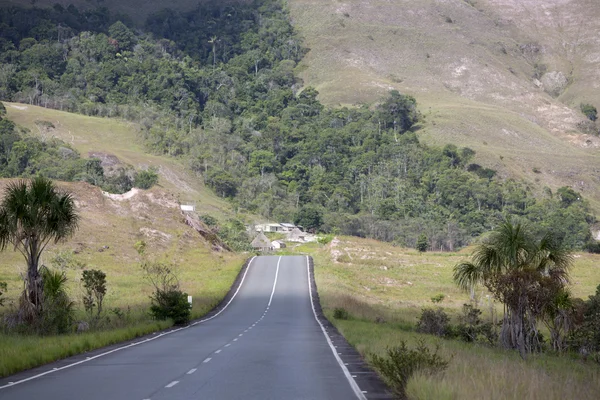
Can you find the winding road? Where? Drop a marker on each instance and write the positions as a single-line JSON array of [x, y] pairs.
[[267, 343]]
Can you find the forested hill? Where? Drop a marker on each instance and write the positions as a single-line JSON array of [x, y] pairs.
[[216, 86]]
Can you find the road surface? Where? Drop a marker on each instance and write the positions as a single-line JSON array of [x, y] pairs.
[[266, 344]]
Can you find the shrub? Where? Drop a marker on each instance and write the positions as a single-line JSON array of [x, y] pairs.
[[589, 111], [3, 289], [325, 239], [434, 322], [472, 329], [401, 363], [171, 304], [94, 285], [340, 313], [586, 337], [58, 311], [422, 243], [438, 298], [145, 179], [167, 300], [209, 220]]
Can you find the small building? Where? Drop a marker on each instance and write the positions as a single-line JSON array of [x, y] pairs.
[[287, 227], [278, 244], [269, 228], [296, 235], [261, 243]]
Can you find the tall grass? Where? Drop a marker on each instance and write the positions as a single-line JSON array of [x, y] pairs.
[[371, 294], [18, 352]]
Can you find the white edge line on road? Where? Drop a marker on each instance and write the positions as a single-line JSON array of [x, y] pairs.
[[141, 342], [359, 393], [274, 283]]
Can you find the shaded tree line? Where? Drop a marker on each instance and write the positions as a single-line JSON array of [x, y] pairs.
[[216, 87]]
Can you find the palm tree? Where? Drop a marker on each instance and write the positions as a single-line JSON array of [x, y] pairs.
[[33, 214], [522, 273]]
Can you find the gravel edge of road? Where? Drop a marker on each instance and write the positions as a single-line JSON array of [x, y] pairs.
[[367, 379], [91, 353]]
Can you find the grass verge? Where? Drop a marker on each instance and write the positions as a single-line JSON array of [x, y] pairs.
[[372, 284], [19, 353]]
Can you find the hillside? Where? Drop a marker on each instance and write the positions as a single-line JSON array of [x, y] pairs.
[[111, 225], [470, 64], [104, 137]]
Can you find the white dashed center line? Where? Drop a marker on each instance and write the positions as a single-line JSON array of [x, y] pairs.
[[207, 360], [235, 340], [170, 385], [228, 344], [217, 352], [191, 371]]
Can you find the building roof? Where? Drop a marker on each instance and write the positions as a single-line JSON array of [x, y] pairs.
[[296, 234], [287, 225], [261, 241]]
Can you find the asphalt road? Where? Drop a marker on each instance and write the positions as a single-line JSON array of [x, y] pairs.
[[266, 344]]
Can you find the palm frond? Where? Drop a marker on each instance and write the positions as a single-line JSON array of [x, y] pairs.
[[466, 275]]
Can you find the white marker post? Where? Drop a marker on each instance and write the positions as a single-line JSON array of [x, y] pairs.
[[190, 300]]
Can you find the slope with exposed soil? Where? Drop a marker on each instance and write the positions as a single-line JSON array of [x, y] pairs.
[[471, 66]]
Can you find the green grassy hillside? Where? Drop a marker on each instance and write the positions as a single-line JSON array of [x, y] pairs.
[[105, 137], [471, 66], [111, 226]]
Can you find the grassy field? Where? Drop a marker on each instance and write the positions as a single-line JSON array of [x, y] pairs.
[[108, 230], [376, 281], [469, 67]]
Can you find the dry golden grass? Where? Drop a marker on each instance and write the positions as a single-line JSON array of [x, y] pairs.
[[379, 281]]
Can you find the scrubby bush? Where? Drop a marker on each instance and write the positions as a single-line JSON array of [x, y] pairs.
[[3, 289], [438, 298], [167, 299], [472, 329], [145, 179], [209, 220], [434, 322], [58, 311], [589, 111], [586, 337], [94, 286], [325, 239], [340, 313], [401, 363], [171, 304], [422, 243]]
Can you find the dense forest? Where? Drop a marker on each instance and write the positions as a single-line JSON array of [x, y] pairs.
[[216, 87]]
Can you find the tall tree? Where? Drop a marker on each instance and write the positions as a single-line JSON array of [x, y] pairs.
[[523, 273], [32, 214]]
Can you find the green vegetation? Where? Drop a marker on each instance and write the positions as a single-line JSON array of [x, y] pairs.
[[387, 283], [403, 363], [524, 274], [168, 301], [21, 352], [217, 89], [33, 214], [589, 111], [25, 155], [94, 286]]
